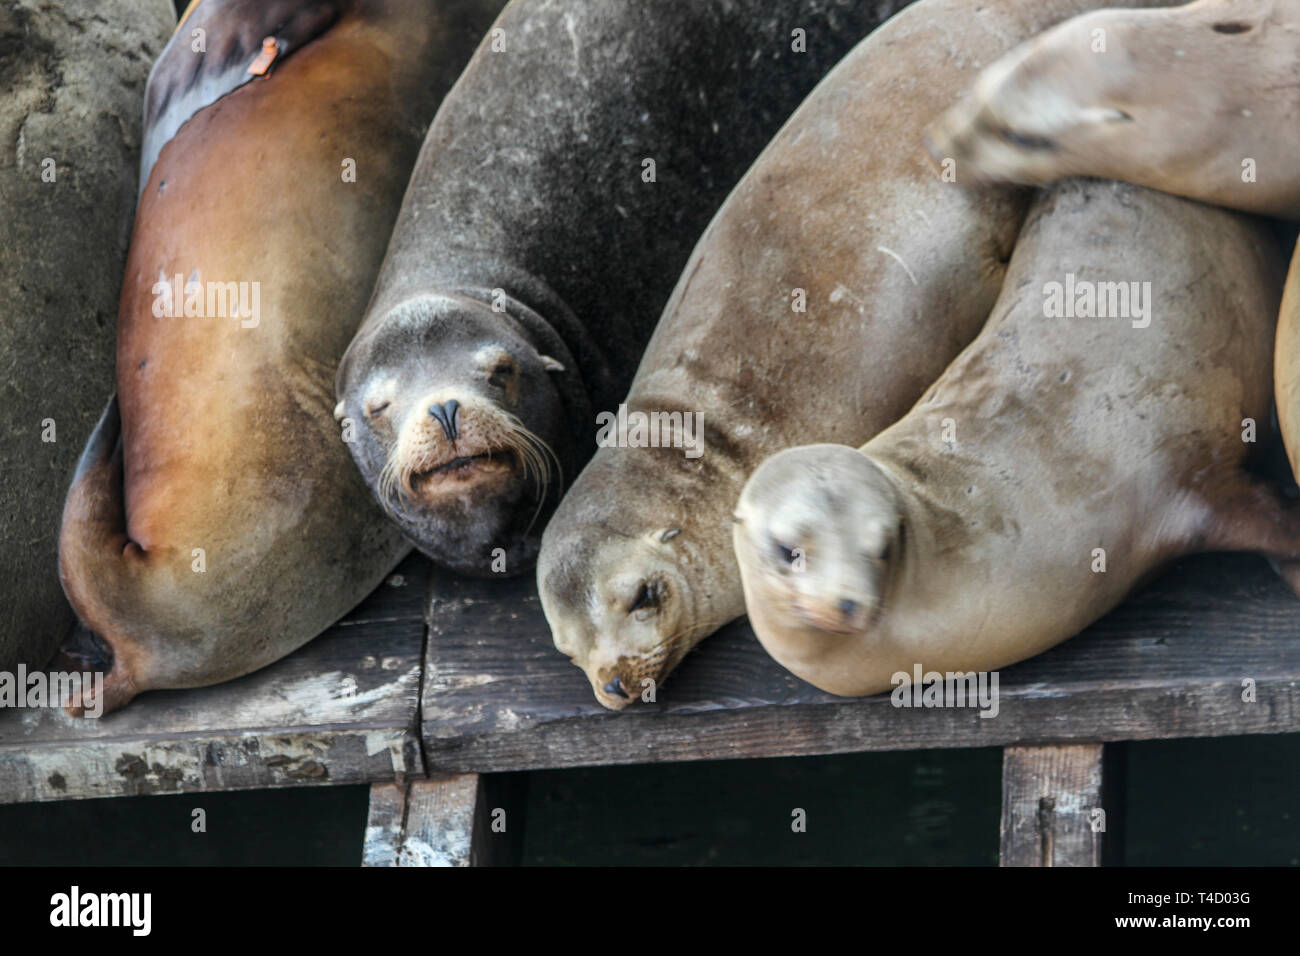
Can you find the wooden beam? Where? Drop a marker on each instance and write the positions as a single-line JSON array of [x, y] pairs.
[[1057, 809], [342, 710], [446, 820], [384, 822], [1212, 648]]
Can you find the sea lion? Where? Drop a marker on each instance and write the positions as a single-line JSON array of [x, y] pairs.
[[897, 270], [215, 523], [1200, 100], [1054, 466], [1286, 365], [72, 77], [556, 199]]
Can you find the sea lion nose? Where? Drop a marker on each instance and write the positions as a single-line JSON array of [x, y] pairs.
[[848, 607], [448, 417], [616, 687]]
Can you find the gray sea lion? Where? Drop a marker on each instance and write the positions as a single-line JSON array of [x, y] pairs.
[[1200, 100], [72, 79], [215, 523], [1054, 466], [556, 199], [898, 270]]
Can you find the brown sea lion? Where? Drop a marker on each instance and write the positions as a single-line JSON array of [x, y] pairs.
[[1055, 465], [216, 523], [894, 270], [72, 78], [1201, 100], [556, 199]]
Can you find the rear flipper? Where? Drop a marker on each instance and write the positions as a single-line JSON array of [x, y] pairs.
[[1259, 518], [1289, 571], [84, 652], [96, 562]]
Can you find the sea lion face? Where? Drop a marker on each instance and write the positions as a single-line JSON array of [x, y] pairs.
[[627, 630], [816, 532], [1040, 113], [455, 425]]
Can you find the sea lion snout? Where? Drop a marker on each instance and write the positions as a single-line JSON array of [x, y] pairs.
[[629, 680], [448, 417], [845, 616], [445, 445]]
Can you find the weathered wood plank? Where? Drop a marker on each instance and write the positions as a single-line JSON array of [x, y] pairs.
[[384, 823], [445, 820], [341, 710], [1171, 662], [1053, 806], [439, 828]]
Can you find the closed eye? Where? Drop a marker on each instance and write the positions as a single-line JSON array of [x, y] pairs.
[[1026, 141], [786, 554], [501, 375], [374, 410]]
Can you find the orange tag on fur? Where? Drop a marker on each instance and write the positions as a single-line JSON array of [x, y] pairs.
[[263, 61]]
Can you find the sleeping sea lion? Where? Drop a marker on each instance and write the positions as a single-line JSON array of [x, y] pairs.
[[835, 284], [215, 523], [556, 199], [1099, 427]]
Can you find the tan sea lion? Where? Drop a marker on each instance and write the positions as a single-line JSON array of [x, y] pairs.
[[1286, 365], [555, 201], [895, 271], [216, 523], [72, 80], [1055, 465], [1201, 100]]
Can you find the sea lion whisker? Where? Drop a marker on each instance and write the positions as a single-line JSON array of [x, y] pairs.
[[546, 463]]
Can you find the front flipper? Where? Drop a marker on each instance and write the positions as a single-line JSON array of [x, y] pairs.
[[211, 53]]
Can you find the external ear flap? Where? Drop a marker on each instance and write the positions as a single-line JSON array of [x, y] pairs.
[[1100, 115], [338, 412], [550, 364]]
